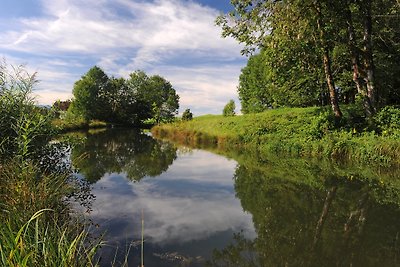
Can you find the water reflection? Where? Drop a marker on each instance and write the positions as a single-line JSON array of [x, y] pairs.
[[325, 217], [252, 211], [189, 208], [122, 151]]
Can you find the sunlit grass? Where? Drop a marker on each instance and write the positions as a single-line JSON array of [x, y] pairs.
[[309, 131], [37, 227]]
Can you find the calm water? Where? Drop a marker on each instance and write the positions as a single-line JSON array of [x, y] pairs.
[[203, 209]]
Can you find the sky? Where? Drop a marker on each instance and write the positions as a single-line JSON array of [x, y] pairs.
[[177, 39]]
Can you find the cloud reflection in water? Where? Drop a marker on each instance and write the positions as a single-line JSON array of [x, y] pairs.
[[192, 201]]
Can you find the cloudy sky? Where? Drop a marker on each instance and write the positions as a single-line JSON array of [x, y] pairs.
[[177, 39]]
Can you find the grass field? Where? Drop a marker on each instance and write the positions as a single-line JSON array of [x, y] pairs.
[[309, 131]]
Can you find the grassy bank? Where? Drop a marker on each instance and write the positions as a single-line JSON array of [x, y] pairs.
[[37, 225], [310, 132], [62, 125]]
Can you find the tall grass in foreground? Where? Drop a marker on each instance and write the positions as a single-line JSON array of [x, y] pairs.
[[37, 227], [40, 242]]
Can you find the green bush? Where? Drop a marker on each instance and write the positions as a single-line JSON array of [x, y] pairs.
[[24, 127], [187, 115], [36, 225], [387, 120]]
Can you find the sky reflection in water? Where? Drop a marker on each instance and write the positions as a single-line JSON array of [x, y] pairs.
[[192, 202]]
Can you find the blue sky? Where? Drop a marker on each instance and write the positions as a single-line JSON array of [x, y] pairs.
[[177, 39]]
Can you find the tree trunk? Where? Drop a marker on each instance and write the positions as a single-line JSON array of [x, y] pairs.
[[355, 60], [368, 60], [327, 64], [328, 201]]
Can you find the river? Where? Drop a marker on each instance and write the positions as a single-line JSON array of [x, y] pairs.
[[198, 208]]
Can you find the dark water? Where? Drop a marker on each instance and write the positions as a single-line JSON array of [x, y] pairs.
[[203, 209]]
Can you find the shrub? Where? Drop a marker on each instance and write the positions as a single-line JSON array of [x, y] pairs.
[[24, 127], [187, 115], [388, 119], [229, 109]]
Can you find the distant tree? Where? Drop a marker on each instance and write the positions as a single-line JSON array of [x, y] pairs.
[[164, 99], [91, 96], [155, 96], [61, 105], [187, 115], [229, 109], [254, 86], [130, 101]]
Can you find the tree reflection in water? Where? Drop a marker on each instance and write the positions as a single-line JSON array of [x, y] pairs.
[[309, 215], [134, 153]]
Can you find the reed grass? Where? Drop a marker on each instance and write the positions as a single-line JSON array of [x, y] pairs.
[[37, 227]]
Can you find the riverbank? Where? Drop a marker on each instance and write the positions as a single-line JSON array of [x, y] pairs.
[[307, 132], [62, 126]]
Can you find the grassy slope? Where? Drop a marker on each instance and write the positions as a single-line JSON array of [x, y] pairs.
[[294, 131]]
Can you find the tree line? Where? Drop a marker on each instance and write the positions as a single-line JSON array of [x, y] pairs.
[[125, 101], [317, 52]]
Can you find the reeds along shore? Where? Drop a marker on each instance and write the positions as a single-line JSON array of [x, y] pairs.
[[37, 226], [308, 132]]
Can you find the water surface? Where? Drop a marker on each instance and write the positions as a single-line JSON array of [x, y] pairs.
[[201, 208]]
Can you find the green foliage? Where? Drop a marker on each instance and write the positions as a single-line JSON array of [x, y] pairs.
[[187, 115], [229, 109], [90, 95], [387, 120], [303, 43], [116, 100], [291, 131], [24, 127], [36, 228]]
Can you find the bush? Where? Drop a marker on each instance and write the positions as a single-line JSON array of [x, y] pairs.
[[24, 127], [229, 109], [388, 119], [36, 225], [187, 115]]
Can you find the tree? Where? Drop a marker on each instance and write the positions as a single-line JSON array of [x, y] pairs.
[[154, 95], [91, 95], [345, 36], [254, 86], [164, 98], [260, 24], [269, 80], [130, 101], [229, 109], [187, 115]]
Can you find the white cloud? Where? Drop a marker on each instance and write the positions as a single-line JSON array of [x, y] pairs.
[[124, 35], [204, 88]]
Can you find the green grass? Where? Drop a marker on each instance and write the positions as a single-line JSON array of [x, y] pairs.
[[311, 132], [62, 125], [37, 227]]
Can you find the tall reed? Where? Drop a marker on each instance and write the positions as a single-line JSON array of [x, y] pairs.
[[37, 227]]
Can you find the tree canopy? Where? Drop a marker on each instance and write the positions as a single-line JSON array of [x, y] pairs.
[[317, 52], [128, 101], [229, 109], [187, 115]]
